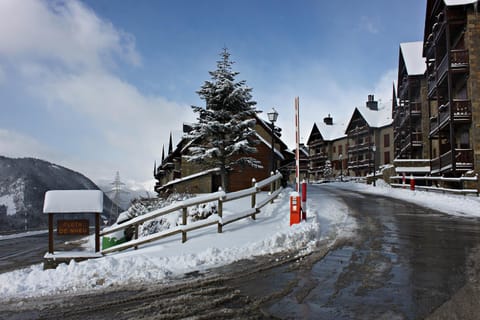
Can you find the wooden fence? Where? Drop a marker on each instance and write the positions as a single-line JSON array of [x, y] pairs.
[[218, 219]]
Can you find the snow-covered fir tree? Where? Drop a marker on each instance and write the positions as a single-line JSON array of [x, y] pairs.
[[224, 135], [328, 170]]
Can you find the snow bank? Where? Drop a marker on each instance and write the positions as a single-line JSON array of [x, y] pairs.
[[457, 205], [205, 248]]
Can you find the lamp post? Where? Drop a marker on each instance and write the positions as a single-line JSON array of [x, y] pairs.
[[374, 149], [341, 166], [272, 117]]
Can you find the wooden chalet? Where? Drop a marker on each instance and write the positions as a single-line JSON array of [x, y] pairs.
[[175, 174], [452, 52]]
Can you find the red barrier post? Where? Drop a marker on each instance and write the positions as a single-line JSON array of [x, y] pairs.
[[295, 208], [304, 200], [412, 183]]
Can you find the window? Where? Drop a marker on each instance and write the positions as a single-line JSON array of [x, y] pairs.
[[334, 149], [340, 151], [386, 140], [386, 157]]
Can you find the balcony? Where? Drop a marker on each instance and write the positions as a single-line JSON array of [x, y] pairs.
[[318, 157], [359, 147], [461, 111], [457, 60], [463, 161]]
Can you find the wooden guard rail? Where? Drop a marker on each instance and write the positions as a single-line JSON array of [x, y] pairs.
[[218, 219]]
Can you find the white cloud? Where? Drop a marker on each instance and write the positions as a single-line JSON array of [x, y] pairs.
[[368, 24], [320, 94], [65, 56], [66, 32], [15, 144]]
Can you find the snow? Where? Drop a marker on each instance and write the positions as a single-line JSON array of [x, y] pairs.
[[459, 2], [412, 56], [425, 169], [377, 118], [8, 201], [73, 201], [165, 259], [333, 131]]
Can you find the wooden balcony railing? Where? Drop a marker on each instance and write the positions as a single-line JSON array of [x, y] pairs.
[[463, 161], [461, 111]]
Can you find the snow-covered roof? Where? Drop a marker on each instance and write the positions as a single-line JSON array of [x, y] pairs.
[[459, 2], [269, 144], [333, 131], [412, 55], [73, 201], [377, 118]]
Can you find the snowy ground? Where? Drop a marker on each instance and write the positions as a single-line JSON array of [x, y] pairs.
[[205, 248]]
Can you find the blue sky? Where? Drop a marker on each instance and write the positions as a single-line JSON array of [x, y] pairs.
[[98, 85]]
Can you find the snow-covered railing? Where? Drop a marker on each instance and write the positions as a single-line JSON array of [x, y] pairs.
[[218, 219]]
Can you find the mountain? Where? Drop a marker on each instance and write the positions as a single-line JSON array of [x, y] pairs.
[[23, 183]]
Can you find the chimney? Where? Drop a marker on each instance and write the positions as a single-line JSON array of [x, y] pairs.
[[371, 103], [328, 120]]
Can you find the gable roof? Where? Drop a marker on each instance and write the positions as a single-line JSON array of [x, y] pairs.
[[412, 56], [374, 118]]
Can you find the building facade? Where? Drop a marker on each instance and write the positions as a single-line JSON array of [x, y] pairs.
[[357, 148], [176, 174], [452, 52], [410, 116]]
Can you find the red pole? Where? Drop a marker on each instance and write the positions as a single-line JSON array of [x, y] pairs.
[[412, 183], [304, 200]]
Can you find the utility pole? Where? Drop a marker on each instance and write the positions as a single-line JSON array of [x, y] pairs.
[[116, 190]]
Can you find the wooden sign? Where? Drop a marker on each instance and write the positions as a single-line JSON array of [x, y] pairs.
[[72, 227]]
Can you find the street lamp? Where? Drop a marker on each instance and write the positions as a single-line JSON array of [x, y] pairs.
[[272, 117], [374, 149], [341, 166]]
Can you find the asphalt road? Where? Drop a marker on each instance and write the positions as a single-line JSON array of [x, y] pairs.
[[405, 262], [22, 252]]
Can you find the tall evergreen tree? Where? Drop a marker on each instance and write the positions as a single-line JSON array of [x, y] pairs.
[[224, 135]]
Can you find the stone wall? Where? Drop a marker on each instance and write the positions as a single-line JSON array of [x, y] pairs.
[[472, 39]]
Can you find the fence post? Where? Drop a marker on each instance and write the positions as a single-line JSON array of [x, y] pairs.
[[135, 235], [220, 213], [184, 222], [254, 197], [271, 186]]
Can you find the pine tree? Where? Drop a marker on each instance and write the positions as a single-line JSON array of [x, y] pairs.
[[224, 135]]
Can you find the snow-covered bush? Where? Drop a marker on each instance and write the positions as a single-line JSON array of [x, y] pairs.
[[142, 206]]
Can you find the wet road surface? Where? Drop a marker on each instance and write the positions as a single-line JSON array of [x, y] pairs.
[[404, 262], [22, 252]]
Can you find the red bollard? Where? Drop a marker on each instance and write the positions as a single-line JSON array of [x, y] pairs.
[[295, 208], [412, 183], [304, 200]]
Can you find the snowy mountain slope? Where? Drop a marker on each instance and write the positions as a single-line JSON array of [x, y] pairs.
[[23, 183]]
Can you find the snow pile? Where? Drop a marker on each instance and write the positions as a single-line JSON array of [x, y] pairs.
[[205, 248]]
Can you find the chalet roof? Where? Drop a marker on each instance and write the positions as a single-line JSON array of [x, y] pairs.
[[333, 131], [377, 118], [412, 56], [374, 118]]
